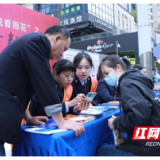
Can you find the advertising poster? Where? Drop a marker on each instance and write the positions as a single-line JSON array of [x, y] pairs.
[[16, 20]]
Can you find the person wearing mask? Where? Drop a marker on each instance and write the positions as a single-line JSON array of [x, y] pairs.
[[63, 74], [141, 68], [140, 107], [83, 81], [106, 91], [25, 70]]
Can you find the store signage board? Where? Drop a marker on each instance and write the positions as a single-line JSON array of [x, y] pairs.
[[85, 18], [100, 45], [132, 60], [103, 23]]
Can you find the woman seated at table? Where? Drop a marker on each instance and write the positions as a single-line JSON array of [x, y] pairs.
[[106, 91], [141, 68], [63, 72], [140, 107], [83, 81]]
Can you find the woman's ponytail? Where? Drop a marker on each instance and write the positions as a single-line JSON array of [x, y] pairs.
[[127, 63], [113, 60]]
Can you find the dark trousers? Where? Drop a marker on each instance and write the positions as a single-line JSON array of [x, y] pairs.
[[2, 150], [108, 150]]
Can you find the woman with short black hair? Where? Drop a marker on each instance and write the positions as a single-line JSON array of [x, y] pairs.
[[63, 74]]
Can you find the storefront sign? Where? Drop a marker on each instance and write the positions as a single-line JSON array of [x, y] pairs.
[[72, 20], [100, 45], [87, 17], [132, 60], [103, 23]]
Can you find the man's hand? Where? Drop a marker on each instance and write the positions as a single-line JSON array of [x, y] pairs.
[[110, 122], [38, 120], [75, 126]]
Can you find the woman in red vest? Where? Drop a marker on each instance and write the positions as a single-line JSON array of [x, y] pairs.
[[83, 81], [63, 74]]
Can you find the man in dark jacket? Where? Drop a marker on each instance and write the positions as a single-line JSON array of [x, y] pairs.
[[24, 69], [141, 107]]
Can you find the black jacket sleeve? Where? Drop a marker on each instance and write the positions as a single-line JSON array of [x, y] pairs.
[[35, 57], [36, 109], [136, 109], [104, 94]]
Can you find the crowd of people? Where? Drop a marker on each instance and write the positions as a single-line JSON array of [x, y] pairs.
[[25, 77]]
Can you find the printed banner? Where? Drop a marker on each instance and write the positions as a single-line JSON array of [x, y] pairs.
[[16, 20]]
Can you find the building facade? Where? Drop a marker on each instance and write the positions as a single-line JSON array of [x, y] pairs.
[[126, 6], [124, 20]]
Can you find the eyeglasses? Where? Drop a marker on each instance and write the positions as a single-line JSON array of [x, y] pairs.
[[106, 74]]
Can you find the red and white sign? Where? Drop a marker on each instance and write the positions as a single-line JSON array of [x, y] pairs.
[[16, 20], [146, 133]]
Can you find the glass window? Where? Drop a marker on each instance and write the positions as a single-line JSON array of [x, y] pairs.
[[47, 10], [101, 13], [47, 5], [67, 5], [71, 4], [93, 9], [107, 17], [97, 11], [43, 5], [100, 6], [51, 8], [78, 8], [151, 10], [72, 9], [103, 7], [43, 10], [62, 13], [112, 6], [89, 7], [62, 6], [56, 15], [67, 11], [56, 7]]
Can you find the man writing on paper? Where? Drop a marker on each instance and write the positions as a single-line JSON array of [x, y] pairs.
[[25, 70]]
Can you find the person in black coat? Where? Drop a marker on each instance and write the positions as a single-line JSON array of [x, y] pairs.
[[140, 106], [63, 74], [24, 69]]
